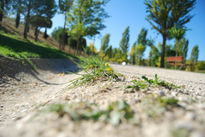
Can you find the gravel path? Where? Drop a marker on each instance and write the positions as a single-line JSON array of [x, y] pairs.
[[20, 101]]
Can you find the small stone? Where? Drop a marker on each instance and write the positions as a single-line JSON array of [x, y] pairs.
[[162, 93], [184, 125], [137, 100], [196, 134], [174, 94], [190, 116], [183, 99], [201, 106]]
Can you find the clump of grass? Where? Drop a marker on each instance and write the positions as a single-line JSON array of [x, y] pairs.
[[116, 112], [145, 83], [94, 69], [155, 106]]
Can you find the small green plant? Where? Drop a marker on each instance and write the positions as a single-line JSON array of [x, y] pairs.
[[167, 101], [156, 106], [159, 82], [135, 86], [94, 69], [115, 113], [180, 132]]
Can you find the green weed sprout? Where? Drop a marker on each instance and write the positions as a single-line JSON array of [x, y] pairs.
[[159, 82]]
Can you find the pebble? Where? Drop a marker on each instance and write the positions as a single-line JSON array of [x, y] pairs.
[[201, 106], [196, 134], [190, 116], [162, 93], [184, 125], [183, 99], [174, 94]]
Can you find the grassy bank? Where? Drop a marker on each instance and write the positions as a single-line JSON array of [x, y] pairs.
[[16, 47]]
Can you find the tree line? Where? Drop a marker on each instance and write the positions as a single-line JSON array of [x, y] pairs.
[[135, 56]]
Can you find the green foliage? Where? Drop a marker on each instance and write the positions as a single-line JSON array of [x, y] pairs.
[[185, 50], [117, 56], [109, 52], [94, 69], [86, 18], [65, 5], [201, 65], [140, 49], [40, 21], [194, 58], [176, 33], [90, 50], [142, 37], [56, 34], [124, 43], [194, 54], [153, 56], [116, 112], [104, 45], [133, 53], [155, 106]]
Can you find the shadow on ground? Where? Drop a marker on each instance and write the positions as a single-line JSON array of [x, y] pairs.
[[10, 68]]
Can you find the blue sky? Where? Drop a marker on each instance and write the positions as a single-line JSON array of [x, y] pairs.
[[132, 13]]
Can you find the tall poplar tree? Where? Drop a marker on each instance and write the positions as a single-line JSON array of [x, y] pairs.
[[124, 43], [105, 43]]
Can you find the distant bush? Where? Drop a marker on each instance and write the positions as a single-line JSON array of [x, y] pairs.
[[201, 65]]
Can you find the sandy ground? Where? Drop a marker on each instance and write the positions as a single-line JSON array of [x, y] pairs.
[[20, 102]]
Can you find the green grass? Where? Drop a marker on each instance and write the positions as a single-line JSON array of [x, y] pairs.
[[16, 47]]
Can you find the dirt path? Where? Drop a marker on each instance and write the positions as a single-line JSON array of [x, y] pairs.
[[37, 88], [19, 102]]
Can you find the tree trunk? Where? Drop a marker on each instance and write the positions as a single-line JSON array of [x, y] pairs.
[[18, 18], [45, 34], [163, 51], [26, 28], [2, 11], [78, 45], [36, 33], [64, 34]]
